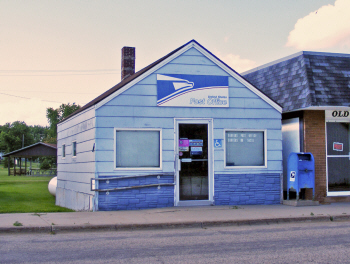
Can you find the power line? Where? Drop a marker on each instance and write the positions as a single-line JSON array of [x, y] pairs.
[[72, 74], [96, 70], [58, 72], [30, 98], [15, 96], [29, 91]]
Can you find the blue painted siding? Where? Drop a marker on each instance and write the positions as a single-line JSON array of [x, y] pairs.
[[74, 173], [243, 189], [138, 198], [136, 108]]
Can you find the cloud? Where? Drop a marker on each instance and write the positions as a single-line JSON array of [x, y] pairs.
[[327, 27], [236, 62]]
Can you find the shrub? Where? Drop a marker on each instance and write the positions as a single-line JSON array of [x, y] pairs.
[[45, 165]]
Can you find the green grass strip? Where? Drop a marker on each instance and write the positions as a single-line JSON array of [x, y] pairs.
[[23, 194]]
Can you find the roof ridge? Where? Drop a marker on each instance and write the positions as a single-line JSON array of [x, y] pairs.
[[313, 53], [27, 147], [312, 96]]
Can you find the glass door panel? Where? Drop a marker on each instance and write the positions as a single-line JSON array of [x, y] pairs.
[[338, 174], [193, 155], [338, 158]]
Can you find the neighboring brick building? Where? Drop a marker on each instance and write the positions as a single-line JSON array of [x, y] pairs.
[[314, 91]]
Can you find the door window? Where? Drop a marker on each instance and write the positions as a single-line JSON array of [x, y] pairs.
[[193, 155]]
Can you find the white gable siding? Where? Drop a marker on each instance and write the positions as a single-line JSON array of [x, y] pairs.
[[74, 173]]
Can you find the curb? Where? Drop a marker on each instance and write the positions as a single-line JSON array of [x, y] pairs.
[[194, 224], [25, 229]]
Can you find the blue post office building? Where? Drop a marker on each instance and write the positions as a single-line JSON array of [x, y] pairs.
[[186, 130]]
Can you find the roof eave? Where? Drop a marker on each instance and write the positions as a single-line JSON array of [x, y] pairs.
[[33, 145]]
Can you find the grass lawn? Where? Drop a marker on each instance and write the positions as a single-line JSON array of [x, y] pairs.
[[23, 194]]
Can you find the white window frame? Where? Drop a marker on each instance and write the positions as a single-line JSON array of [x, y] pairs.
[[246, 167], [333, 120], [76, 153], [138, 168], [63, 151], [209, 122]]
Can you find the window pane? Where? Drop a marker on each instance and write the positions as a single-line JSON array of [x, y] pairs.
[[63, 151], [338, 135], [338, 174], [137, 148], [74, 148], [245, 148]]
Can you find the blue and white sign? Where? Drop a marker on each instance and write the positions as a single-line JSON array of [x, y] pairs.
[[292, 176], [192, 90], [217, 143]]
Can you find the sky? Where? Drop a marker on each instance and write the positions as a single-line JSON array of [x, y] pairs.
[[55, 52]]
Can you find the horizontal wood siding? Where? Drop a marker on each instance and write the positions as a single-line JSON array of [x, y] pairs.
[[74, 173], [136, 108], [234, 112]]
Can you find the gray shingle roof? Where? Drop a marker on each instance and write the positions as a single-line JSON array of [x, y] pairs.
[[305, 79]]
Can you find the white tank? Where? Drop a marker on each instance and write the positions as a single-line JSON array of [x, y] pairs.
[[52, 186]]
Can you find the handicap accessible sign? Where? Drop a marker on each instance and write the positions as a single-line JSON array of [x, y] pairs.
[[192, 90], [217, 143]]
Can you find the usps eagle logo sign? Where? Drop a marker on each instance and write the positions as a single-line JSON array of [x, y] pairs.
[[192, 90]]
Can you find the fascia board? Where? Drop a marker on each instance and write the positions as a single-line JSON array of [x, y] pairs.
[[143, 76], [239, 78], [326, 107], [76, 115]]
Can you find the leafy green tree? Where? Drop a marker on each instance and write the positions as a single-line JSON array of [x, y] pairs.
[[13, 136], [39, 133], [54, 116], [3, 128]]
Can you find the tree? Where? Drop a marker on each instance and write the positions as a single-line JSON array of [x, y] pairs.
[[54, 116], [14, 136], [39, 133]]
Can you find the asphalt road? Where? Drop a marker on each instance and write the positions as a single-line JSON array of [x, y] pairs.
[[280, 243]]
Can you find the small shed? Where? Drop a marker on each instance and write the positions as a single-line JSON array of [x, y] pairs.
[[39, 149], [186, 130]]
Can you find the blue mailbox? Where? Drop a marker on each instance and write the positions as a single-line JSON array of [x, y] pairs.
[[301, 173]]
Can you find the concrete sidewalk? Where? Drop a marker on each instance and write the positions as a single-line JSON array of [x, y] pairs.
[[171, 217]]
